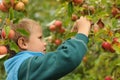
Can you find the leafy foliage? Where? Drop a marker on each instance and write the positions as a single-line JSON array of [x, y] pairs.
[[98, 63]]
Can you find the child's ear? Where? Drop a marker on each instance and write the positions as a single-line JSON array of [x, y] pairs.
[[22, 43]]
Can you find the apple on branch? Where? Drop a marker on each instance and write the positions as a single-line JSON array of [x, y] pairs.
[[3, 50], [58, 23], [3, 8], [58, 41]]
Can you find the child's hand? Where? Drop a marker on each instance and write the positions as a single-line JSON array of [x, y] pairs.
[[82, 25]]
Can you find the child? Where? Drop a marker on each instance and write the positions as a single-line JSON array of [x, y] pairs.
[[31, 63]]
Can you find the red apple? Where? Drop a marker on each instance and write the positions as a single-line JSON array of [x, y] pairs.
[[3, 34], [3, 8], [58, 24], [74, 17], [3, 50], [108, 78], [106, 45], [52, 27], [11, 34], [115, 40], [61, 30], [78, 1], [58, 41]]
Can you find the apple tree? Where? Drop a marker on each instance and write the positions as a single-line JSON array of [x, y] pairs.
[[11, 11], [102, 59]]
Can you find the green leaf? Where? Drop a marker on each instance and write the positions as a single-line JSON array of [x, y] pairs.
[[13, 46], [16, 20], [117, 2], [11, 13], [118, 64], [23, 32], [2, 42], [70, 9], [7, 1], [114, 22], [69, 35], [7, 30]]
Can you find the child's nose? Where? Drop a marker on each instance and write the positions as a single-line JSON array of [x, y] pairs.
[[45, 43]]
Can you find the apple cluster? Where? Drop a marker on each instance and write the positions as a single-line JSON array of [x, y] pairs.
[[86, 9], [109, 46], [18, 5], [10, 35], [4, 36], [58, 29]]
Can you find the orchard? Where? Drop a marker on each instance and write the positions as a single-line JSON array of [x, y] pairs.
[[102, 60]]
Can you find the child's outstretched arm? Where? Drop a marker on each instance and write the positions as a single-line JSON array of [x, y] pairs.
[[65, 59]]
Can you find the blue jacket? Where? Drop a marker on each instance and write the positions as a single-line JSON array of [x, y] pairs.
[[12, 65]]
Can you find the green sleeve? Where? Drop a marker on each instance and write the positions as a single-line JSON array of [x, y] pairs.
[[54, 65]]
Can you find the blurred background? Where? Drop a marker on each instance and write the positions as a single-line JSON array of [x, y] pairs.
[[102, 61]]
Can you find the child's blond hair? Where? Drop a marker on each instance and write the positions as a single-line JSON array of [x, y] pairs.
[[26, 25]]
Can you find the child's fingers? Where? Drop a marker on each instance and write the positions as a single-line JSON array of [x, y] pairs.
[[81, 17], [74, 29]]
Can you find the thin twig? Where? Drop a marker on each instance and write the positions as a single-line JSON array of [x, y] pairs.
[[4, 21]]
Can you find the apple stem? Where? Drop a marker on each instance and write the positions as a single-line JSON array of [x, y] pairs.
[[103, 39], [89, 12], [3, 22]]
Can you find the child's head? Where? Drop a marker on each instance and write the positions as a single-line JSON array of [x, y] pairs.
[[33, 42]]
